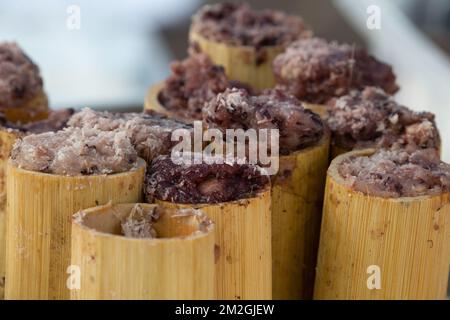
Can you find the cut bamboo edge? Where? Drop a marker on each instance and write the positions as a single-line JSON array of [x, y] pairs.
[[179, 264], [152, 101], [245, 64], [297, 194], [243, 258], [38, 226], [401, 242]]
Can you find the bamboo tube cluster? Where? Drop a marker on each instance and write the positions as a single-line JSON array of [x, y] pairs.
[[179, 264], [39, 211], [243, 246], [245, 64], [401, 242], [7, 139], [297, 194]]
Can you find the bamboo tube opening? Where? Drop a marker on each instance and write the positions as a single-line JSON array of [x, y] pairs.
[[177, 264], [243, 251], [381, 248], [170, 223], [39, 210], [245, 64]]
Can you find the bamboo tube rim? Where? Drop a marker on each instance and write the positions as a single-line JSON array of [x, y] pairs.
[[196, 35], [334, 174], [78, 222], [139, 164], [152, 98]]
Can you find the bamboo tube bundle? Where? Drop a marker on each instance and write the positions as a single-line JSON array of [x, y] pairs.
[[242, 221], [175, 260], [382, 247], [246, 51], [297, 193], [40, 205]]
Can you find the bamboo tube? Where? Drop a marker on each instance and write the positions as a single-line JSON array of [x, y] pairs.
[[242, 63], [297, 194], [7, 139], [39, 210], [179, 264], [34, 109], [320, 109], [407, 238], [152, 101], [243, 246]]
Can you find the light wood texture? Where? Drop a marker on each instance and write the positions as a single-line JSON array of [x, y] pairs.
[[33, 110], [243, 246], [408, 238], [297, 194], [179, 264], [242, 63], [7, 139], [38, 226]]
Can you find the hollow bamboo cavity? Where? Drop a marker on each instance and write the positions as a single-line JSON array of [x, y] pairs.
[[34, 109], [179, 264], [7, 139], [243, 246], [297, 194], [245, 64], [39, 211], [402, 242]]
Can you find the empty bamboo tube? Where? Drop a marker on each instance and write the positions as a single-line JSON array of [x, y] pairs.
[[179, 264], [297, 194], [7, 139], [245, 64], [39, 211], [243, 246], [406, 239], [34, 109]]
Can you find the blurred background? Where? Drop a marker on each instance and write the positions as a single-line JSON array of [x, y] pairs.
[[122, 47]]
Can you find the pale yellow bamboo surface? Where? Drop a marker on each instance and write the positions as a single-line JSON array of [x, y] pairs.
[[243, 246], [297, 194], [34, 109], [407, 238], [179, 264], [152, 100], [7, 139], [38, 226], [242, 63]]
